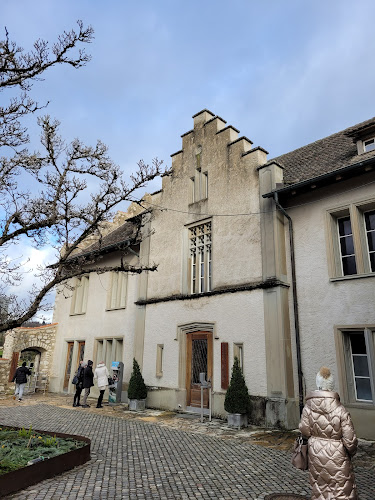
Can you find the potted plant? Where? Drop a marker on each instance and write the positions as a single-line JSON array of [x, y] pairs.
[[137, 390], [237, 399]]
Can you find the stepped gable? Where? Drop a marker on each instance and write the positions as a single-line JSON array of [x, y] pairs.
[[325, 155], [208, 126]]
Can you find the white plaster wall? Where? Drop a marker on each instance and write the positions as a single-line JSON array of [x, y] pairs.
[[324, 304], [95, 323], [238, 317]]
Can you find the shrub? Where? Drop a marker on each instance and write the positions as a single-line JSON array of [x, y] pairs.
[[137, 387], [237, 399]]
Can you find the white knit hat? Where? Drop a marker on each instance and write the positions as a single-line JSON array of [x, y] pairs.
[[324, 379]]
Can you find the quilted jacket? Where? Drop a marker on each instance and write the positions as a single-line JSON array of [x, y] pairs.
[[331, 444]]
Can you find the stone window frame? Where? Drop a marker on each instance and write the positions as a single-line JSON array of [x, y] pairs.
[[117, 291], [181, 334], [103, 353], [198, 186], [356, 211], [196, 263], [345, 364], [80, 295], [159, 360]]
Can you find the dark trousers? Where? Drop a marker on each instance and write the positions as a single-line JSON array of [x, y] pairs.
[[100, 398], [77, 395]]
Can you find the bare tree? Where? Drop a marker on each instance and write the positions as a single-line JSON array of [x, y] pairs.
[[46, 197]]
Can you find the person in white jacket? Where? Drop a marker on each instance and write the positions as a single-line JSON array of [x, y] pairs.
[[101, 375]]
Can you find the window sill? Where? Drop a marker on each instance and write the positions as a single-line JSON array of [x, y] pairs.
[[77, 314], [353, 277], [115, 308], [159, 375], [194, 203], [361, 406]]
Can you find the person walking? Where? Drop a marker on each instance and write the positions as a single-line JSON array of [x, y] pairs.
[[88, 382], [20, 377], [101, 375], [331, 442], [79, 384]]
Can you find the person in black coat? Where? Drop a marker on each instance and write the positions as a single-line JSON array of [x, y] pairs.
[[20, 377], [88, 382], [79, 384]]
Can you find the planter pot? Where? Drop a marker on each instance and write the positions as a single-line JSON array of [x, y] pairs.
[[237, 420], [137, 404]]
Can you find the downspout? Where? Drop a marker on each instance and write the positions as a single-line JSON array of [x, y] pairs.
[[295, 301]]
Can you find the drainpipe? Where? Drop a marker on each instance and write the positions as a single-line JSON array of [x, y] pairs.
[[295, 301]]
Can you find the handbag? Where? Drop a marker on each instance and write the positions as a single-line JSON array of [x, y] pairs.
[[75, 380], [299, 455]]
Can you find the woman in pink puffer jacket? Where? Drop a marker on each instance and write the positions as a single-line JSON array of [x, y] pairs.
[[332, 442]]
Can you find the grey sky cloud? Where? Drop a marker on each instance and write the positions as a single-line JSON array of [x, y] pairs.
[[284, 73]]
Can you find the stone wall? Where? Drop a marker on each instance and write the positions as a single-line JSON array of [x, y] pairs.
[[40, 338]]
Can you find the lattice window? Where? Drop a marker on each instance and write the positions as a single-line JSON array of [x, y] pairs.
[[198, 360], [200, 245]]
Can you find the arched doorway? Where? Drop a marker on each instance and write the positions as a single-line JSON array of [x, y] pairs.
[[33, 345]]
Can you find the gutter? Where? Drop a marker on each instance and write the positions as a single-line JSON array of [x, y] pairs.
[[295, 302]]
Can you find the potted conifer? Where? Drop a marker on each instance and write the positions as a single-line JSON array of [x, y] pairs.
[[237, 399], [137, 390]]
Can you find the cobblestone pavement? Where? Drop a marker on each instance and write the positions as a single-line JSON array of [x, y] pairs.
[[163, 455]]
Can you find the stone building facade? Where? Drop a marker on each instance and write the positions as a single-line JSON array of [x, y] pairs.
[[40, 340]]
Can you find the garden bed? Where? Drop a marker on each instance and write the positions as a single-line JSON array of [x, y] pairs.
[[47, 454]]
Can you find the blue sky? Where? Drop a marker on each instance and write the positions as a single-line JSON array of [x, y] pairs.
[[285, 73]]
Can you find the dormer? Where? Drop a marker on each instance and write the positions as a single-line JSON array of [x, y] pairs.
[[364, 137]]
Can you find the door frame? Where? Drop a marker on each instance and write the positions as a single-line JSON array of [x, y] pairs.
[[69, 352]]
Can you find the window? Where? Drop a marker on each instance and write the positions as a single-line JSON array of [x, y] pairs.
[[80, 293], [159, 360], [192, 190], [117, 291], [346, 246], [369, 145], [108, 350], [352, 240], [200, 247], [198, 185], [370, 233], [238, 353], [357, 364]]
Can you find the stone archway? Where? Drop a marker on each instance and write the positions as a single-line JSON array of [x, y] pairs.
[[40, 339]]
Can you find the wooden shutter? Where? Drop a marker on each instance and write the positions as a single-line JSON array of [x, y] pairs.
[[224, 365], [13, 365]]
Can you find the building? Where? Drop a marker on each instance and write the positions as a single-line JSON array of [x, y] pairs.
[[229, 230], [328, 191]]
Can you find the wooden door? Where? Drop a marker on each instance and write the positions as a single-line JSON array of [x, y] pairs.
[[198, 360], [13, 365], [68, 367], [81, 353]]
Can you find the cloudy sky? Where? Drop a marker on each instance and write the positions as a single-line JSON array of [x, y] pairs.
[[285, 73]]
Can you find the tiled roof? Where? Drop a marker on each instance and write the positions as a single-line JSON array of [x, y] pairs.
[[127, 231], [326, 155]]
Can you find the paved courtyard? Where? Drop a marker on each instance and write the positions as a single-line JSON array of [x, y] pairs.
[[136, 458]]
